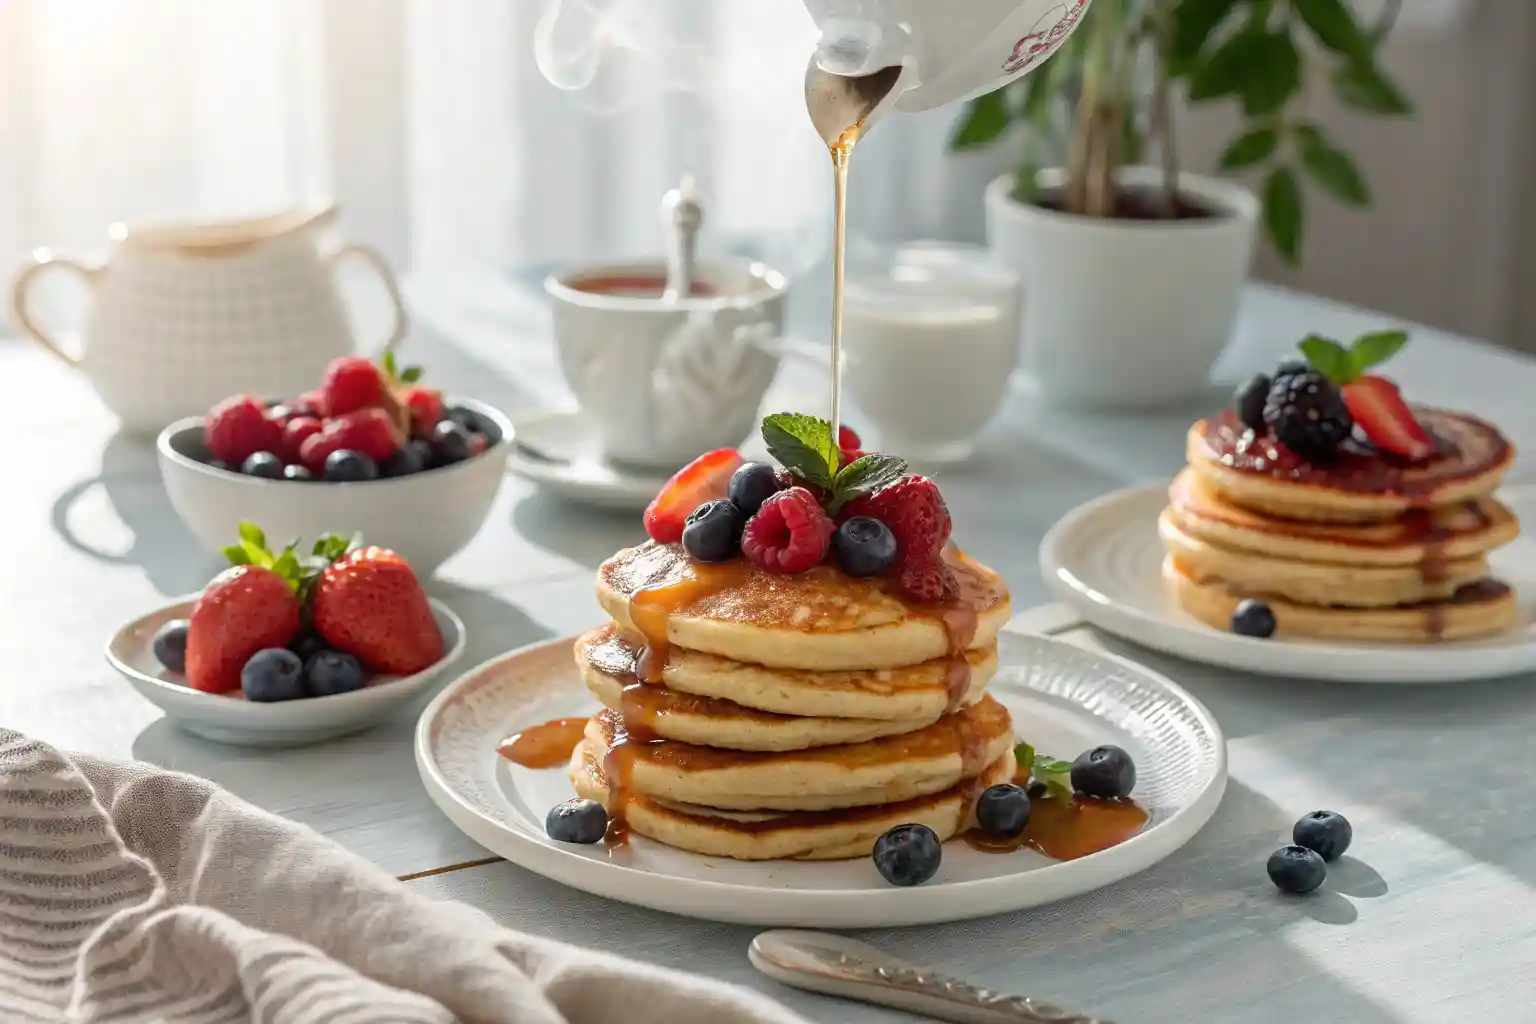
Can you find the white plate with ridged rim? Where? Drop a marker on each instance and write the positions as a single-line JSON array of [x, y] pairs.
[[1064, 700], [1105, 560]]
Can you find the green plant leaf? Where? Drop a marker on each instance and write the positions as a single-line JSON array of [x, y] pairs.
[[1284, 215], [410, 375], [1225, 71], [1375, 348], [803, 445], [388, 362], [1250, 148], [1328, 358], [984, 120], [1333, 24], [1360, 84], [1273, 75], [1193, 23], [1332, 168], [1025, 186], [865, 474]]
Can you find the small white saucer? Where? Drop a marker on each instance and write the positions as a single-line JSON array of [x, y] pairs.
[[230, 718], [1105, 560], [562, 453]]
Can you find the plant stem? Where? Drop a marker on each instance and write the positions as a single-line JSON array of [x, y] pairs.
[[1162, 110]]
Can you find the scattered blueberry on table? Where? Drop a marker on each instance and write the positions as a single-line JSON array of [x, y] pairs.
[[1296, 869], [1327, 833]]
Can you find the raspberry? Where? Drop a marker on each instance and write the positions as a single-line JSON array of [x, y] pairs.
[[298, 430], [314, 451], [426, 408], [351, 383], [848, 445], [790, 532], [926, 581], [312, 403], [914, 510], [238, 428], [370, 431]]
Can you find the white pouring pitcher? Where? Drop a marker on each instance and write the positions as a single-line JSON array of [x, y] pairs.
[[184, 315]]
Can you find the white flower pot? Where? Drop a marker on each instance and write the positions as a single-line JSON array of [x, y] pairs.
[[1125, 313]]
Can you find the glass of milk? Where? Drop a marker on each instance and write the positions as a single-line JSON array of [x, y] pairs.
[[930, 337]]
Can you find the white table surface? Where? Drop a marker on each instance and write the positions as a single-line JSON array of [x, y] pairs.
[[1435, 920]]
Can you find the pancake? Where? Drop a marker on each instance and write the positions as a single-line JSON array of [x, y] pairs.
[[913, 694], [819, 620], [1362, 485], [799, 835], [1318, 583], [892, 768], [1417, 537], [1478, 609]]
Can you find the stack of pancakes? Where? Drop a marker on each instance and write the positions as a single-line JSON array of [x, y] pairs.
[[757, 715], [1368, 547]]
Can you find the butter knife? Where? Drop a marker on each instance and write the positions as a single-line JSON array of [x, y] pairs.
[[837, 966]]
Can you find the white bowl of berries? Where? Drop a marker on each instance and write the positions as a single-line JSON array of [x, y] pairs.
[[293, 647], [370, 451]]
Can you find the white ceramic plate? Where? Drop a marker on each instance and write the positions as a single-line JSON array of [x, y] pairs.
[[230, 718], [562, 453], [1105, 560], [1064, 698]]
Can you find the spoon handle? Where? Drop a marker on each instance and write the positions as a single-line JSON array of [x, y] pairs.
[[683, 216], [838, 966]]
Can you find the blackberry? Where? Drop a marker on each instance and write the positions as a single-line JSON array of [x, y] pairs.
[[1249, 401], [1290, 368], [1308, 415]]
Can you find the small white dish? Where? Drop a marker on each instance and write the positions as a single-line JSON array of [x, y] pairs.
[[230, 718], [1105, 560], [426, 517], [562, 452], [1064, 699]]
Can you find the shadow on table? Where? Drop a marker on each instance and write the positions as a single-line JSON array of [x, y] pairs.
[[584, 534], [171, 557]]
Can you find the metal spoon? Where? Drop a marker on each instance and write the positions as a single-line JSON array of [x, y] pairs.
[[838, 103], [683, 216], [837, 966]]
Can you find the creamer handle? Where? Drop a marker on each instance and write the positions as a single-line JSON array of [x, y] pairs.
[[21, 305], [375, 260]]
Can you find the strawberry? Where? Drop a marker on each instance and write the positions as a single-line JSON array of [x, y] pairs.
[[298, 430], [370, 431], [238, 428], [351, 383], [247, 608], [312, 403], [369, 604], [926, 581], [914, 510], [789, 533], [426, 409], [1377, 407], [704, 478]]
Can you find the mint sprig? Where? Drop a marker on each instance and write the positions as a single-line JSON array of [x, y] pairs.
[[1341, 364], [392, 370], [1055, 775], [805, 446]]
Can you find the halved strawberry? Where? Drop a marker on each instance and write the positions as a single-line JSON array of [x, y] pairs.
[[703, 479], [1377, 407]]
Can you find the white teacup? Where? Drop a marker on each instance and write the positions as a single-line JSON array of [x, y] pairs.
[[664, 380]]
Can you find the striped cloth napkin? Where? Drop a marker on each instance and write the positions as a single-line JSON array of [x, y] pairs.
[[131, 894]]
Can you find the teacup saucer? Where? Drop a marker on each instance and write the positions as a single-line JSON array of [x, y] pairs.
[[562, 453]]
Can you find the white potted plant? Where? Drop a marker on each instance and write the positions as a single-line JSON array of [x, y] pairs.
[[1133, 273]]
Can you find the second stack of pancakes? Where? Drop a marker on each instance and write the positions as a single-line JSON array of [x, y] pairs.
[[1362, 549], [759, 716]]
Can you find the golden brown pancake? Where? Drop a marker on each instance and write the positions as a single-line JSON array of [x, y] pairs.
[[1255, 472]]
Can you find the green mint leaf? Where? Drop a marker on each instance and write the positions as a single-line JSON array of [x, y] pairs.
[[1250, 148], [1360, 84], [1329, 358], [985, 119], [389, 363], [236, 555], [1333, 25], [410, 375], [1054, 775], [1375, 348], [1331, 167], [1284, 218], [251, 534], [1273, 75], [1023, 754], [865, 474], [1050, 765], [803, 445]]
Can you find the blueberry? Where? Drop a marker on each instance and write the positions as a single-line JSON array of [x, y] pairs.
[[273, 674], [466, 418], [908, 855], [1253, 618], [577, 821], [297, 472], [348, 466], [1249, 401], [1105, 771], [751, 485], [1296, 869], [450, 443], [712, 532], [1326, 833], [170, 645], [332, 672], [308, 644], [413, 458], [263, 464], [1003, 810], [864, 546]]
